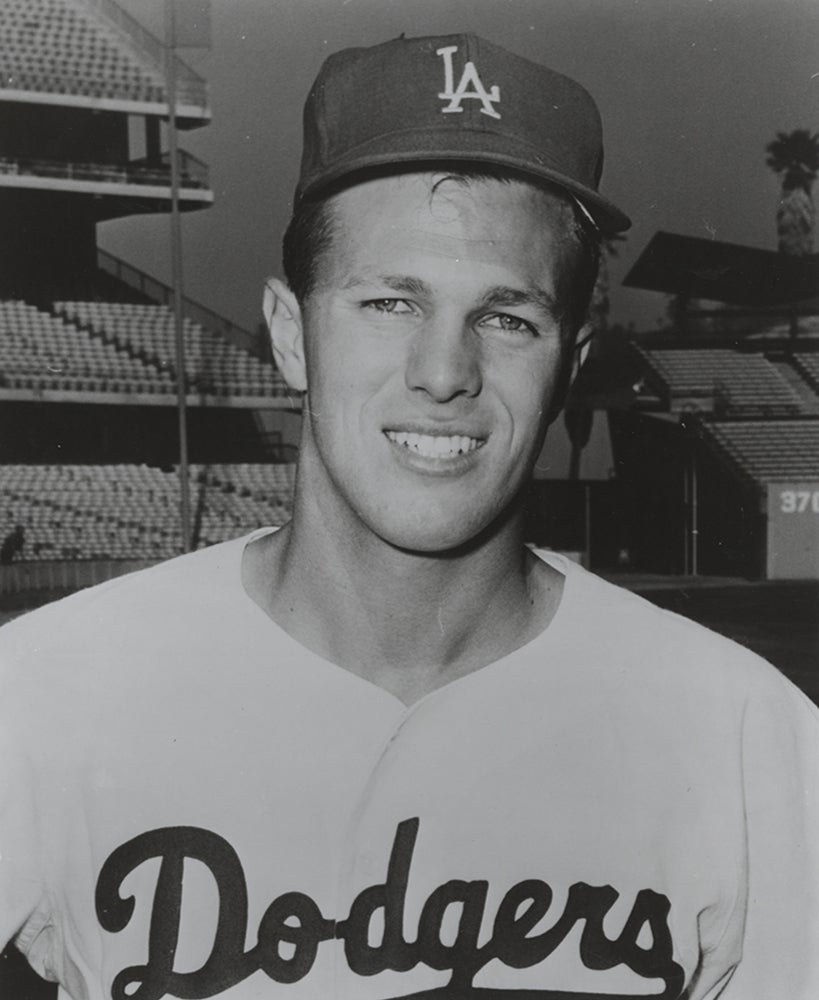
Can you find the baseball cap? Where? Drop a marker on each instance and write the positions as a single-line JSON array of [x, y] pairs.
[[455, 98]]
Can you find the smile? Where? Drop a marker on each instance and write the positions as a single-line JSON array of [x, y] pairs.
[[435, 445]]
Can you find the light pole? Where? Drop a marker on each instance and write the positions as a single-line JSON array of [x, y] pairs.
[[177, 277]]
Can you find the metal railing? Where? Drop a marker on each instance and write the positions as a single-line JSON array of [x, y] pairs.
[[161, 293], [193, 172], [190, 167]]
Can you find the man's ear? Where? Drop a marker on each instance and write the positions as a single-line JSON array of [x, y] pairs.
[[282, 313], [582, 343]]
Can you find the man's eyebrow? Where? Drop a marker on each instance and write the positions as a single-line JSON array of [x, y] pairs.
[[498, 295], [504, 295], [402, 283]]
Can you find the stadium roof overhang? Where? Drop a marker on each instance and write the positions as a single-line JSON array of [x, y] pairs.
[[697, 268], [113, 198]]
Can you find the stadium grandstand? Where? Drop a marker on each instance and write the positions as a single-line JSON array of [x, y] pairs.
[[726, 410], [689, 450], [89, 475]]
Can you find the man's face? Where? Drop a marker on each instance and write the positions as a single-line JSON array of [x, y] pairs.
[[434, 344]]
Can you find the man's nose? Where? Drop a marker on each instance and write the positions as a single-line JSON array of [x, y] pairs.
[[444, 361]]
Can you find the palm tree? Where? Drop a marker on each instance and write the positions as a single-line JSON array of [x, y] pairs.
[[600, 304], [795, 155], [578, 418]]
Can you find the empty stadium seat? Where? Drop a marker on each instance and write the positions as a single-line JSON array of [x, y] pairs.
[[214, 366], [41, 351], [132, 511], [808, 365], [736, 381], [69, 47], [769, 450]]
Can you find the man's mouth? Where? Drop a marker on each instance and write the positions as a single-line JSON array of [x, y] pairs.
[[435, 445]]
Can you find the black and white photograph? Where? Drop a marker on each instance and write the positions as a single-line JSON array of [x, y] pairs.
[[409, 500]]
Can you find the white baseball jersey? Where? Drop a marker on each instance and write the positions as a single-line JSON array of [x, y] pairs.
[[193, 805]]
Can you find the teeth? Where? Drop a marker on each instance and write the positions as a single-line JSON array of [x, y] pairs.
[[434, 445]]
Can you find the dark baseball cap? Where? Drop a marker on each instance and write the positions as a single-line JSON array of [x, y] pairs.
[[453, 99]]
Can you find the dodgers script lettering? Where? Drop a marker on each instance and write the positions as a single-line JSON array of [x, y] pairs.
[[295, 920]]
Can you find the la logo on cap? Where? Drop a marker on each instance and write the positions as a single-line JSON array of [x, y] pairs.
[[469, 79]]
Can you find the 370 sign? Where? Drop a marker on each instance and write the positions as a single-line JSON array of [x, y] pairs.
[[799, 501]]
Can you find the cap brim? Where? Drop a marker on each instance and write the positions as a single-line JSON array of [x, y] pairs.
[[431, 147]]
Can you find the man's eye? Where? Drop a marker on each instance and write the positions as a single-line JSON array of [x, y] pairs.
[[512, 324], [388, 305]]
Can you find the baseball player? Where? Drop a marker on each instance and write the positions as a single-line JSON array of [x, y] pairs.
[[386, 752]]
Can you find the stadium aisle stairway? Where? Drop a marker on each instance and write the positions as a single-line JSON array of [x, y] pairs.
[[41, 351], [808, 366], [118, 347], [213, 364]]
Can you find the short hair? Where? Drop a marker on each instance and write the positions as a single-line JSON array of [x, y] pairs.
[[312, 229], [307, 240]]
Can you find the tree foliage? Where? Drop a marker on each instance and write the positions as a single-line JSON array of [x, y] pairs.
[[795, 155]]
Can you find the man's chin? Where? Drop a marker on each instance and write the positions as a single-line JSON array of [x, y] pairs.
[[446, 541]]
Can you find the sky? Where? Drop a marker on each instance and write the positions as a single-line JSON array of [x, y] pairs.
[[690, 92]]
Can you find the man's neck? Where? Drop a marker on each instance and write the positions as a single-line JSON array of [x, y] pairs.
[[408, 622]]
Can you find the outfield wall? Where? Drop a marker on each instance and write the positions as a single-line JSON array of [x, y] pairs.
[[793, 531], [64, 575]]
